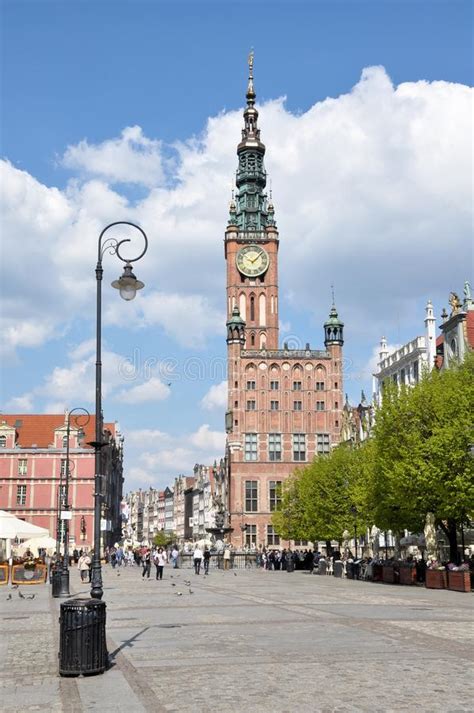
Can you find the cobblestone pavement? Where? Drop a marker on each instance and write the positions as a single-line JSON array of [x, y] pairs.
[[247, 641]]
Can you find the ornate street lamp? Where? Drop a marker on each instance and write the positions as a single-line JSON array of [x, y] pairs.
[[82, 418], [128, 285]]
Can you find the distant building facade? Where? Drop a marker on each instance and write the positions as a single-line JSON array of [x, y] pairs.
[[33, 468]]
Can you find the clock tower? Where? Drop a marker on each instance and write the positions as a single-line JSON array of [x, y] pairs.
[[284, 405], [251, 239]]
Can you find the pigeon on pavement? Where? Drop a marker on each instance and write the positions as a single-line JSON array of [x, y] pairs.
[[21, 595]]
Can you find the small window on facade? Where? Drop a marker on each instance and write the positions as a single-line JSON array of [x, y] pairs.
[[251, 405], [335, 385], [236, 404], [252, 340], [274, 405], [274, 494], [65, 440], [251, 496], [63, 467], [297, 386], [299, 446], [251, 536], [336, 404], [250, 446], [21, 494], [319, 405], [297, 405], [272, 538], [274, 446], [416, 373], [274, 385], [3, 441], [322, 443], [320, 386], [22, 466], [250, 385], [252, 309]]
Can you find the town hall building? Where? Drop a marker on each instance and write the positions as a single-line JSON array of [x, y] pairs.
[[284, 405]]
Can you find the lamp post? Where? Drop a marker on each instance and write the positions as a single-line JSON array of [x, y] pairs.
[[354, 513], [65, 513], [128, 285]]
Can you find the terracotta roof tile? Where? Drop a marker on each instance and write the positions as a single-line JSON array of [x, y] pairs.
[[38, 429]]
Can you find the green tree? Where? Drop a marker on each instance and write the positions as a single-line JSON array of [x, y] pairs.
[[163, 538], [421, 459]]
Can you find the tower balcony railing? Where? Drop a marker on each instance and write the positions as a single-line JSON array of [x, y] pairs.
[[286, 353]]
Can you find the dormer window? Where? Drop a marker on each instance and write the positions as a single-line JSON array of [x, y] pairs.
[[65, 440], [3, 441]]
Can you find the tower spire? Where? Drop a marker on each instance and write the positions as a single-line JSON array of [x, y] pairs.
[[252, 210]]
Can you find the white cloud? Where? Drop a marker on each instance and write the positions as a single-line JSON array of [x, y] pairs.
[[151, 390], [131, 158], [208, 440], [216, 397], [376, 177], [20, 404], [159, 457]]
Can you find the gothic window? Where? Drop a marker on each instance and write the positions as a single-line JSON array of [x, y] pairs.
[[251, 536], [322, 443], [252, 340], [252, 308], [250, 446], [274, 446], [272, 538], [274, 492], [299, 446], [251, 496], [262, 310]]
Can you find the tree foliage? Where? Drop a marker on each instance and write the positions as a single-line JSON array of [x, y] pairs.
[[416, 461], [163, 538]]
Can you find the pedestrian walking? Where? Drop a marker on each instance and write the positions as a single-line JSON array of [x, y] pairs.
[[227, 558], [174, 557], [160, 560], [146, 564], [197, 559], [207, 559], [83, 566]]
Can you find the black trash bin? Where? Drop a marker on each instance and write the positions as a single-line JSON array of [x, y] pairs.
[[290, 565], [56, 582], [337, 568], [82, 644], [350, 570]]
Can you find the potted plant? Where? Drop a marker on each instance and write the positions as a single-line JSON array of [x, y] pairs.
[[436, 576], [407, 573], [459, 579]]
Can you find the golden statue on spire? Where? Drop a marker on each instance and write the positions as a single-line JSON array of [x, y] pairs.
[[251, 56]]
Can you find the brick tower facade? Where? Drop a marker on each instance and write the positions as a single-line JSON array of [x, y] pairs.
[[284, 405]]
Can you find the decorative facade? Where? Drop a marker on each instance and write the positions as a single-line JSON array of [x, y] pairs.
[[284, 405], [33, 466]]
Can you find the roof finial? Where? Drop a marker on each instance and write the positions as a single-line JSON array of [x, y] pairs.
[[250, 89], [332, 293]]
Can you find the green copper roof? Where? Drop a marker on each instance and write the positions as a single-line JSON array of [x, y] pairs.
[[250, 211]]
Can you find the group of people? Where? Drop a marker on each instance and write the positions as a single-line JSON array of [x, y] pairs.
[[286, 559]]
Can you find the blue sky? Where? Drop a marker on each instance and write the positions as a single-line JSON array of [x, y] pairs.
[[130, 110]]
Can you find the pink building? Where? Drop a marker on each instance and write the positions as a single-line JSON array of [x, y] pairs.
[[32, 459]]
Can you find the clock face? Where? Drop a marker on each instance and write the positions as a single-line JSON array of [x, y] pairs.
[[252, 260]]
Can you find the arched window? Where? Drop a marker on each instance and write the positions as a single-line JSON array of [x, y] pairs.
[[252, 308], [64, 441], [3, 441], [252, 340]]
